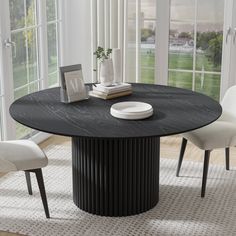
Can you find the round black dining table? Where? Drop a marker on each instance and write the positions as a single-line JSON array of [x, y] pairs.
[[115, 162]]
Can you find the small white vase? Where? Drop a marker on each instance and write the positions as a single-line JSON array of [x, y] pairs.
[[106, 72]]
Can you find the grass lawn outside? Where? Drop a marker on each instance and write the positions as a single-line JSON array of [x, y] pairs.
[[20, 79], [205, 83]]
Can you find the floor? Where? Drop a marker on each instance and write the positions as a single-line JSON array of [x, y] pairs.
[[169, 149]]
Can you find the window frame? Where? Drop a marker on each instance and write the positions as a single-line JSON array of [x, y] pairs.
[[6, 66], [194, 70], [163, 21]]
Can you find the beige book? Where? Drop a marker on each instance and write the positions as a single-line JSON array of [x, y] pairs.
[[105, 96]]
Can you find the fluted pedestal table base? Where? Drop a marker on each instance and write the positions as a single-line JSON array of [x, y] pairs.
[[115, 177]]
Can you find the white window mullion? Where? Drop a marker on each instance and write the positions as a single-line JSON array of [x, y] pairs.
[[62, 20], [6, 72], [138, 40], [162, 41], [195, 45], [43, 44]]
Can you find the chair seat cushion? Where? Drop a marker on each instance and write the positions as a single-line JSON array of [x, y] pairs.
[[227, 117], [21, 155], [220, 134]]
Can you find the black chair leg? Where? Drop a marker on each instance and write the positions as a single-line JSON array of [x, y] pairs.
[[227, 158], [205, 171], [181, 155], [28, 181], [39, 176]]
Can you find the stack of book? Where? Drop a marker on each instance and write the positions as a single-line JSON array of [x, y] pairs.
[[110, 92]]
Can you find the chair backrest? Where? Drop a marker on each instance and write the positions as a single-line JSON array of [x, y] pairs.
[[229, 101]]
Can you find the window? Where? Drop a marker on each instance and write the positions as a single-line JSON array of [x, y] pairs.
[[195, 45], [148, 32], [24, 30], [52, 36], [28, 36], [141, 41]]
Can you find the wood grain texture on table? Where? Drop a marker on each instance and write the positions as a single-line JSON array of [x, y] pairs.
[[175, 111]]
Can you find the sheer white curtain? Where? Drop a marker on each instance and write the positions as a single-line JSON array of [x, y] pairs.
[[132, 26], [107, 27]]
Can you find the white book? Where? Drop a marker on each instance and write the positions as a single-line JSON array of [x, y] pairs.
[[113, 88]]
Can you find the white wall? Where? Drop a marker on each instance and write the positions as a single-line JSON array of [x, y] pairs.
[[75, 38], [228, 77]]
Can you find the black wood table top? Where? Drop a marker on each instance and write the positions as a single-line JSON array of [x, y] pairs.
[[175, 111]]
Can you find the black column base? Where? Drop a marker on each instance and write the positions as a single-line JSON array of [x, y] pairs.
[[115, 177]]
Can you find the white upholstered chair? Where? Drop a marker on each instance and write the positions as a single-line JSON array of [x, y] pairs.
[[219, 134], [25, 155]]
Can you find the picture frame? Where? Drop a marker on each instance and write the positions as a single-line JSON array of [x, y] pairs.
[[72, 84]]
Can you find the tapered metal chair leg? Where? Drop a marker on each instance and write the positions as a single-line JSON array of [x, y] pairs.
[[39, 176], [227, 158], [205, 171], [28, 181], [181, 155]]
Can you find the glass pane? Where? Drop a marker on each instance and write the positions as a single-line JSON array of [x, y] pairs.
[[180, 79], [208, 84], [24, 53], [33, 87], [30, 12], [131, 52], [131, 43], [22, 13], [53, 79], [52, 53], [51, 10], [22, 131], [181, 46], [19, 60], [209, 51], [132, 9], [148, 52], [32, 55], [20, 92], [210, 35], [25, 61], [148, 9], [148, 63], [148, 75], [211, 12], [182, 10], [17, 13]]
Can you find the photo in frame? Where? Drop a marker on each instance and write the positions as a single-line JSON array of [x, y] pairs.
[[72, 84]]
